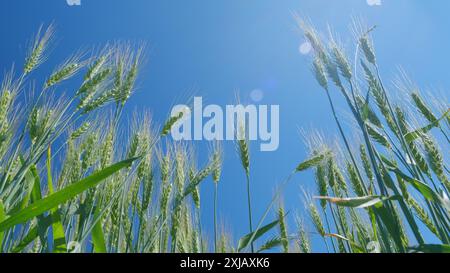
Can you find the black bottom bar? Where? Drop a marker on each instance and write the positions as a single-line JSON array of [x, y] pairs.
[[169, 263]]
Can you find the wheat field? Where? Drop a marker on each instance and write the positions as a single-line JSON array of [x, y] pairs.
[[73, 178]]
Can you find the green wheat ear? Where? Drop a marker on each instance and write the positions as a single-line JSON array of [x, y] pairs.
[[303, 241], [38, 50], [64, 71], [423, 108], [367, 48], [435, 159], [170, 123], [283, 229], [319, 72], [316, 219], [243, 149], [342, 62], [322, 184]]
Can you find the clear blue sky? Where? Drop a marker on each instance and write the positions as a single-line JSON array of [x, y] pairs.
[[214, 48]]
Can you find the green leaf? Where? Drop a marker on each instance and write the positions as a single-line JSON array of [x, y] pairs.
[[32, 234], [373, 222], [59, 238], [424, 189], [392, 226], [430, 248], [411, 136], [388, 163], [365, 109], [36, 192], [2, 217], [98, 238], [358, 202], [32, 178], [29, 238], [337, 236], [32, 194], [247, 239], [63, 195], [313, 161], [36, 195], [355, 247]]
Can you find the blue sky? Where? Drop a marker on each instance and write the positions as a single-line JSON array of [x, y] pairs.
[[214, 49]]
